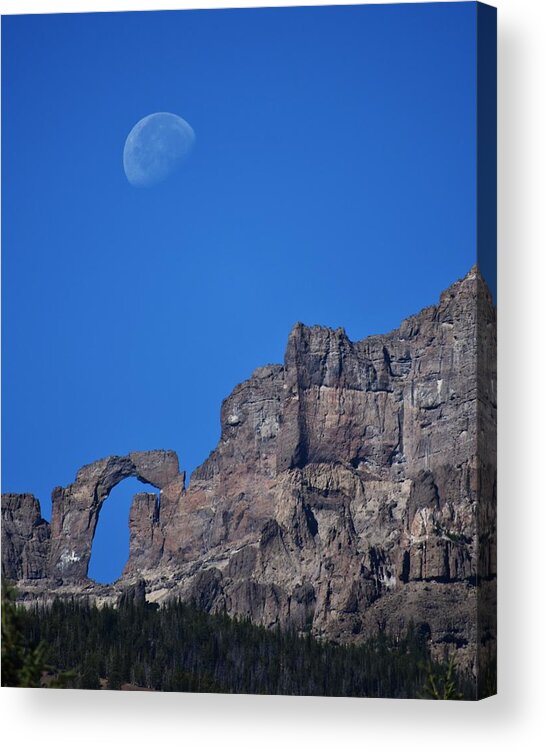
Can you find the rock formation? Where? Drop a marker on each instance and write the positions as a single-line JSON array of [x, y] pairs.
[[75, 509], [25, 538], [352, 489]]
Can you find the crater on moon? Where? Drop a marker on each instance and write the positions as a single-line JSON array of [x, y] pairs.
[[156, 147]]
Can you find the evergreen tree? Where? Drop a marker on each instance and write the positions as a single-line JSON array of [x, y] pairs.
[[442, 685], [90, 675], [22, 665], [115, 673]]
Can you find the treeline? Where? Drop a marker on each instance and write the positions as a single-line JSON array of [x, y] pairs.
[[179, 648]]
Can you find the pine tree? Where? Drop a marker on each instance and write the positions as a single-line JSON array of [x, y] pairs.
[[115, 674], [90, 679], [22, 665]]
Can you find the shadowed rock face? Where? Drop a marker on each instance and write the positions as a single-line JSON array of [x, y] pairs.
[[353, 487], [25, 538]]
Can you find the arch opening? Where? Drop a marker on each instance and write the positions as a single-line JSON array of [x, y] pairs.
[[110, 546]]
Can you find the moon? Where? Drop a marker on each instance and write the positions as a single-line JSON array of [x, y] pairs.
[[156, 147]]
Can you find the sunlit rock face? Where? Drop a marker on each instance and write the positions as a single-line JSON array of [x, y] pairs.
[[352, 489], [75, 509]]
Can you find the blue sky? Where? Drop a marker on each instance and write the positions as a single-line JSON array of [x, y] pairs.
[[332, 181]]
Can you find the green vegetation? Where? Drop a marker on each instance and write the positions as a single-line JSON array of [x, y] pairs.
[[24, 664], [179, 648], [443, 687], [21, 666]]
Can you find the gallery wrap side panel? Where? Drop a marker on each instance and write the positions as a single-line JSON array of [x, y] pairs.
[[487, 346]]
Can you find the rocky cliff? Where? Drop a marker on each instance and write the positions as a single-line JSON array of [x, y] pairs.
[[352, 489]]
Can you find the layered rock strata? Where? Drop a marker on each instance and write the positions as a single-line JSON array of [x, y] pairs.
[[352, 489]]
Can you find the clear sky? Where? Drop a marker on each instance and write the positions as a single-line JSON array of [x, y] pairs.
[[332, 182]]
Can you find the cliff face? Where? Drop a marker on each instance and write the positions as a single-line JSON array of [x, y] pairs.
[[25, 538], [346, 494]]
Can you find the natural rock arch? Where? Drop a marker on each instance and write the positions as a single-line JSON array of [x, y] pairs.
[[117, 531], [75, 509]]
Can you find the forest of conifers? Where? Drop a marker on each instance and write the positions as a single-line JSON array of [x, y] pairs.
[[179, 648]]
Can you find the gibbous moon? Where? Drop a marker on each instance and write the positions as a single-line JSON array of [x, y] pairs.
[[156, 147]]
